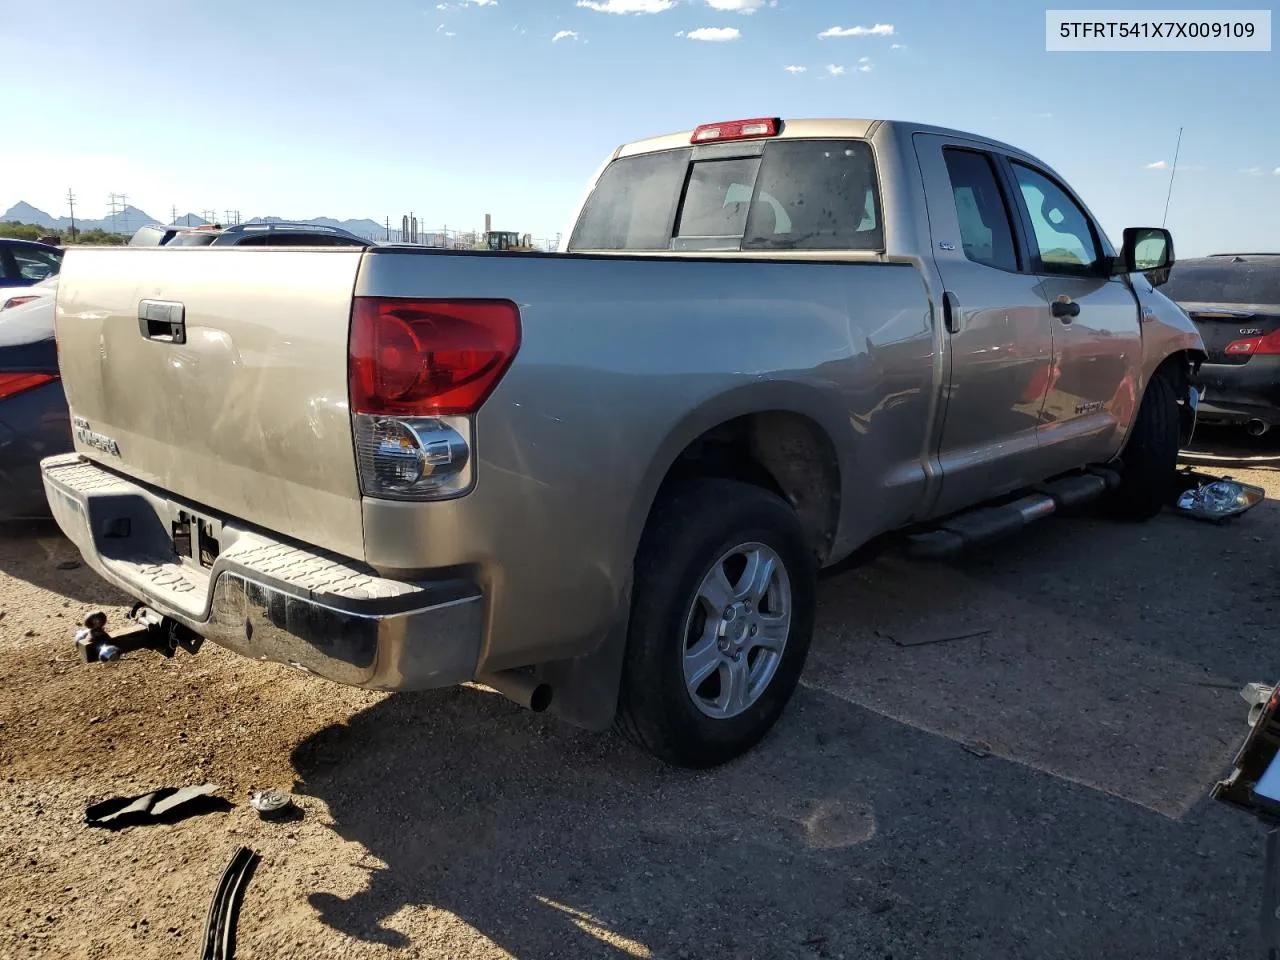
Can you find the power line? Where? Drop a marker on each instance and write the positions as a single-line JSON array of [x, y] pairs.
[[71, 202]]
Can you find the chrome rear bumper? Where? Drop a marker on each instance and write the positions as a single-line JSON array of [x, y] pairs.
[[265, 598]]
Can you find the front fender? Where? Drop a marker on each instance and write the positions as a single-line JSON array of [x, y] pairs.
[[1166, 329]]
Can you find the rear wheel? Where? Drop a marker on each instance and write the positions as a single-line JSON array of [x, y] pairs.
[[1149, 463], [721, 620]]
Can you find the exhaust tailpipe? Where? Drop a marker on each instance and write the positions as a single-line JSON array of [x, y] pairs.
[[1257, 427], [522, 688]]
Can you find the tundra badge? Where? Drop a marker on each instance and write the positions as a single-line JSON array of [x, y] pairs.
[[91, 438]]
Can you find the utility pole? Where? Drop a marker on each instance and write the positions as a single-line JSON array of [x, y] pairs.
[[173, 215], [71, 202]]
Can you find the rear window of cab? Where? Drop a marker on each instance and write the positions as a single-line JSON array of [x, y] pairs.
[[795, 195]]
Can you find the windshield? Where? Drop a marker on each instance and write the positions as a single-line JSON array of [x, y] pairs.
[[796, 195]]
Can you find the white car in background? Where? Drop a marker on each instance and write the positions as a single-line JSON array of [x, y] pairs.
[[37, 299]]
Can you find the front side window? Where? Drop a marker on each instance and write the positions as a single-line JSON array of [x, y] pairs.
[[35, 264], [1063, 236]]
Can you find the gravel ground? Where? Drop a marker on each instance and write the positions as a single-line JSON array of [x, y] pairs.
[[1035, 790]]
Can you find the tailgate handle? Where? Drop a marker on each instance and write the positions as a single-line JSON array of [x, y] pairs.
[[162, 320]]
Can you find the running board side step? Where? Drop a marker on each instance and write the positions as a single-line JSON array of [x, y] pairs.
[[984, 524]]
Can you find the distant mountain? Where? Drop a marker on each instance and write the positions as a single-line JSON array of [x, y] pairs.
[[131, 218], [126, 221]]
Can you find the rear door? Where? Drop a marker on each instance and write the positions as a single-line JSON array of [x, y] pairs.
[[999, 337], [244, 411], [1096, 330]]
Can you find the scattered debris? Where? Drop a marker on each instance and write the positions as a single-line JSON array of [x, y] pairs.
[[219, 941], [166, 805], [978, 748], [69, 565], [273, 804], [1215, 498], [926, 640]]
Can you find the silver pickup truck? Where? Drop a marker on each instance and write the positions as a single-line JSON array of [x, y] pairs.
[[603, 482]]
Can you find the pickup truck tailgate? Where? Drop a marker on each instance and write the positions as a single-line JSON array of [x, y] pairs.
[[244, 410]]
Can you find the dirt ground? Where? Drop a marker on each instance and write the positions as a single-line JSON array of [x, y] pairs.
[[1035, 790]]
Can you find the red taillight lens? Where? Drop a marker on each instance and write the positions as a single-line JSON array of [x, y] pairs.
[[16, 302], [429, 357], [12, 384], [1253, 346], [737, 130]]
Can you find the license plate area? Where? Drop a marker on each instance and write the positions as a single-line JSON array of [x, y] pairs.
[[197, 540]]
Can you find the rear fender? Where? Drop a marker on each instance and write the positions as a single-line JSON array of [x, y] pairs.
[[821, 406]]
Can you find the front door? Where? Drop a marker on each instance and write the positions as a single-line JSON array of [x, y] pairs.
[[999, 342], [1097, 339]]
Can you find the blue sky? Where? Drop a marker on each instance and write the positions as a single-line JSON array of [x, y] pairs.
[[455, 109]]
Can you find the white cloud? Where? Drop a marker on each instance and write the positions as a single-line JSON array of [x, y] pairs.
[[1277, 171], [740, 6], [1043, 116], [834, 70], [622, 7], [864, 65], [565, 35], [879, 30], [806, 70], [1253, 171], [714, 34], [1158, 165], [897, 46]]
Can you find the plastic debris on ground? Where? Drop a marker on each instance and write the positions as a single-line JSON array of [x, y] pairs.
[[166, 805]]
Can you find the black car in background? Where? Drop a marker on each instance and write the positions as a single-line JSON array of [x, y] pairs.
[[1234, 298], [33, 409], [277, 233]]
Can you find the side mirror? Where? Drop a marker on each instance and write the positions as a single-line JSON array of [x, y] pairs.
[[1146, 249]]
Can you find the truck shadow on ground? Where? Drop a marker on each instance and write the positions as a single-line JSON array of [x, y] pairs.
[[35, 551], [1037, 790], [847, 832]]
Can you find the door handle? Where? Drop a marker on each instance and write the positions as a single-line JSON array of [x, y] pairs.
[[1065, 309], [951, 312], [162, 320]]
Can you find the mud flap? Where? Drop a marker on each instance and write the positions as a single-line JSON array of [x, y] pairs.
[[585, 689]]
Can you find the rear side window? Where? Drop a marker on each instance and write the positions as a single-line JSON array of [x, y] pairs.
[[798, 195], [1225, 280], [633, 204], [983, 215], [201, 238]]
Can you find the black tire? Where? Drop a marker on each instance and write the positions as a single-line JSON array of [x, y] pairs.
[[690, 529], [1149, 463]]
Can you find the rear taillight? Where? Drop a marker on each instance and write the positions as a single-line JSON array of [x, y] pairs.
[[11, 384], [1255, 346], [419, 370], [16, 302], [429, 357], [737, 130]]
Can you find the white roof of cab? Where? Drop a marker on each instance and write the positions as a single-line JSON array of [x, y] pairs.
[[831, 128]]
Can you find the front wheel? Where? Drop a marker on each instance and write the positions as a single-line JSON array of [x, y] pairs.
[[1149, 463], [721, 620]]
